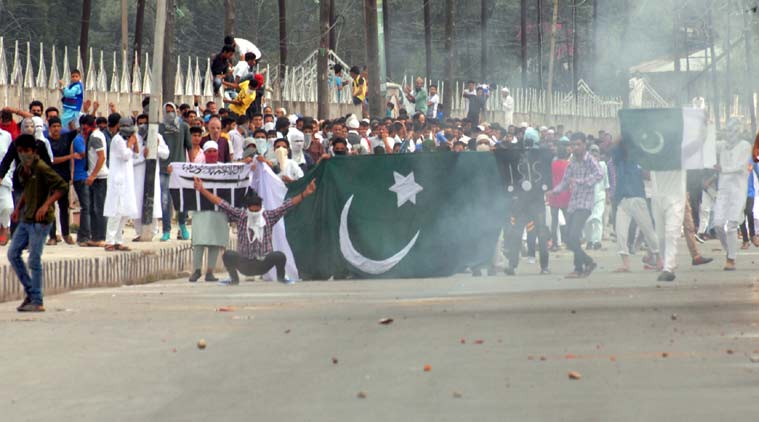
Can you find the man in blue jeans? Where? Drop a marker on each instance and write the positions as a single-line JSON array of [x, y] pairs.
[[34, 213], [84, 233]]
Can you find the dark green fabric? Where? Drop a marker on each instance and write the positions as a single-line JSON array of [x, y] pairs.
[[458, 214], [179, 143], [653, 137], [38, 186]]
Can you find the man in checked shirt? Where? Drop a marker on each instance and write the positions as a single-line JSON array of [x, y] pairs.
[[255, 254], [581, 176]]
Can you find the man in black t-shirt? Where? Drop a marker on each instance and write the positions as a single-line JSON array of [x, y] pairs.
[[220, 66], [63, 154], [476, 105]]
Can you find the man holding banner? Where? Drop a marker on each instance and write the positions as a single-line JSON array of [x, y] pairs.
[[255, 254]]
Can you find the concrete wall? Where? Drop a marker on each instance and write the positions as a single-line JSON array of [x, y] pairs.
[[113, 269]]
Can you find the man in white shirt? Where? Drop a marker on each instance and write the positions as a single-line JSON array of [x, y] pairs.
[[733, 167], [432, 102], [508, 106]]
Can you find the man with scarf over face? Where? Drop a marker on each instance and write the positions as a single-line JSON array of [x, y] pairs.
[[255, 253], [733, 167], [176, 134]]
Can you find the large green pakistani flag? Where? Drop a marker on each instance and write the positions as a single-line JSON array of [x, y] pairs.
[[666, 138], [402, 215]]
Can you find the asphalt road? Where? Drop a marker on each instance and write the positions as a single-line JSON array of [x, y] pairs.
[[496, 349]]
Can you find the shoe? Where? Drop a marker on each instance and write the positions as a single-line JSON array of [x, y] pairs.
[[649, 260], [228, 282], [195, 276], [166, 237], [745, 245], [476, 273], [531, 260], [666, 276], [183, 232], [137, 239], [24, 303], [597, 246], [545, 271], [510, 271], [729, 265], [51, 242], [699, 238], [210, 278], [68, 239], [701, 261], [83, 244], [286, 281], [589, 268], [31, 307], [589, 246]]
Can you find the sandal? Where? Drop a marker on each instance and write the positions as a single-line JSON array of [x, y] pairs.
[[122, 248], [110, 248], [622, 270]]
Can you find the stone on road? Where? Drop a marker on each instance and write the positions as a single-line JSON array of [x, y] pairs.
[[501, 349]]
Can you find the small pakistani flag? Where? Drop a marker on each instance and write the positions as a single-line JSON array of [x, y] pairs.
[[664, 138], [400, 216]]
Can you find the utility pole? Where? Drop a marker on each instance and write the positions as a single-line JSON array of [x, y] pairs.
[[154, 116], [372, 57], [322, 62], [381, 45], [728, 64], [574, 50], [124, 26], [169, 51], [549, 93], [676, 49], [449, 82], [427, 38], [139, 27], [523, 40], [594, 26], [386, 34], [85, 31]]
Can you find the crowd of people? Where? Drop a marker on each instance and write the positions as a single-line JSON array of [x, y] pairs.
[[599, 194]]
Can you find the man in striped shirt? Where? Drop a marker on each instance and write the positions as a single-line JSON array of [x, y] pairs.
[[255, 254], [581, 176]]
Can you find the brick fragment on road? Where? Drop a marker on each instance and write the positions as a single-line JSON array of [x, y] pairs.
[[201, 344], [361, 395], [574, 375], [386, 321]]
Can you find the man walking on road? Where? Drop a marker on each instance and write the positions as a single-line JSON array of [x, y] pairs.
[[34, 213], [581, 177]]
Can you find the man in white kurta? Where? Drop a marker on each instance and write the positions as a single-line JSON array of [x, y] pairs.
[[668, 204], [594, 226], [508, 107], [733, 165], [139, 179], [120, 201]]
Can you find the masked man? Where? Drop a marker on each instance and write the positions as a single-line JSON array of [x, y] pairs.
[[140, 167], [733, 167]]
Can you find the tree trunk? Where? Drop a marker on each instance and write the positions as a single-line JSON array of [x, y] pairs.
[[124, 26], [322, 65], [540, 42], [85, 31], [748, 21], [139, 27], [372, 57], [715, 86], [624, 71], [282, 36], [551, 60], [229, 17], [484, 40], [427, 38], [388, 45], [169, 52], [523, 40], [594, 56], [728, 66], [676, 51], [332, 22], [449, 82], [575, 70]]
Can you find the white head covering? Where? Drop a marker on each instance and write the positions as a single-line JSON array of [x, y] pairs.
[[352, 122], [293, 119], [269, 126], [210, 145], [524, 125]]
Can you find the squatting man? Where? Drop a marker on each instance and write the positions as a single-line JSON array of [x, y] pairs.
[[255, 254]]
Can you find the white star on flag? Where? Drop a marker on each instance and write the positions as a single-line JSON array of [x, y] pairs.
[[406, 188]]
